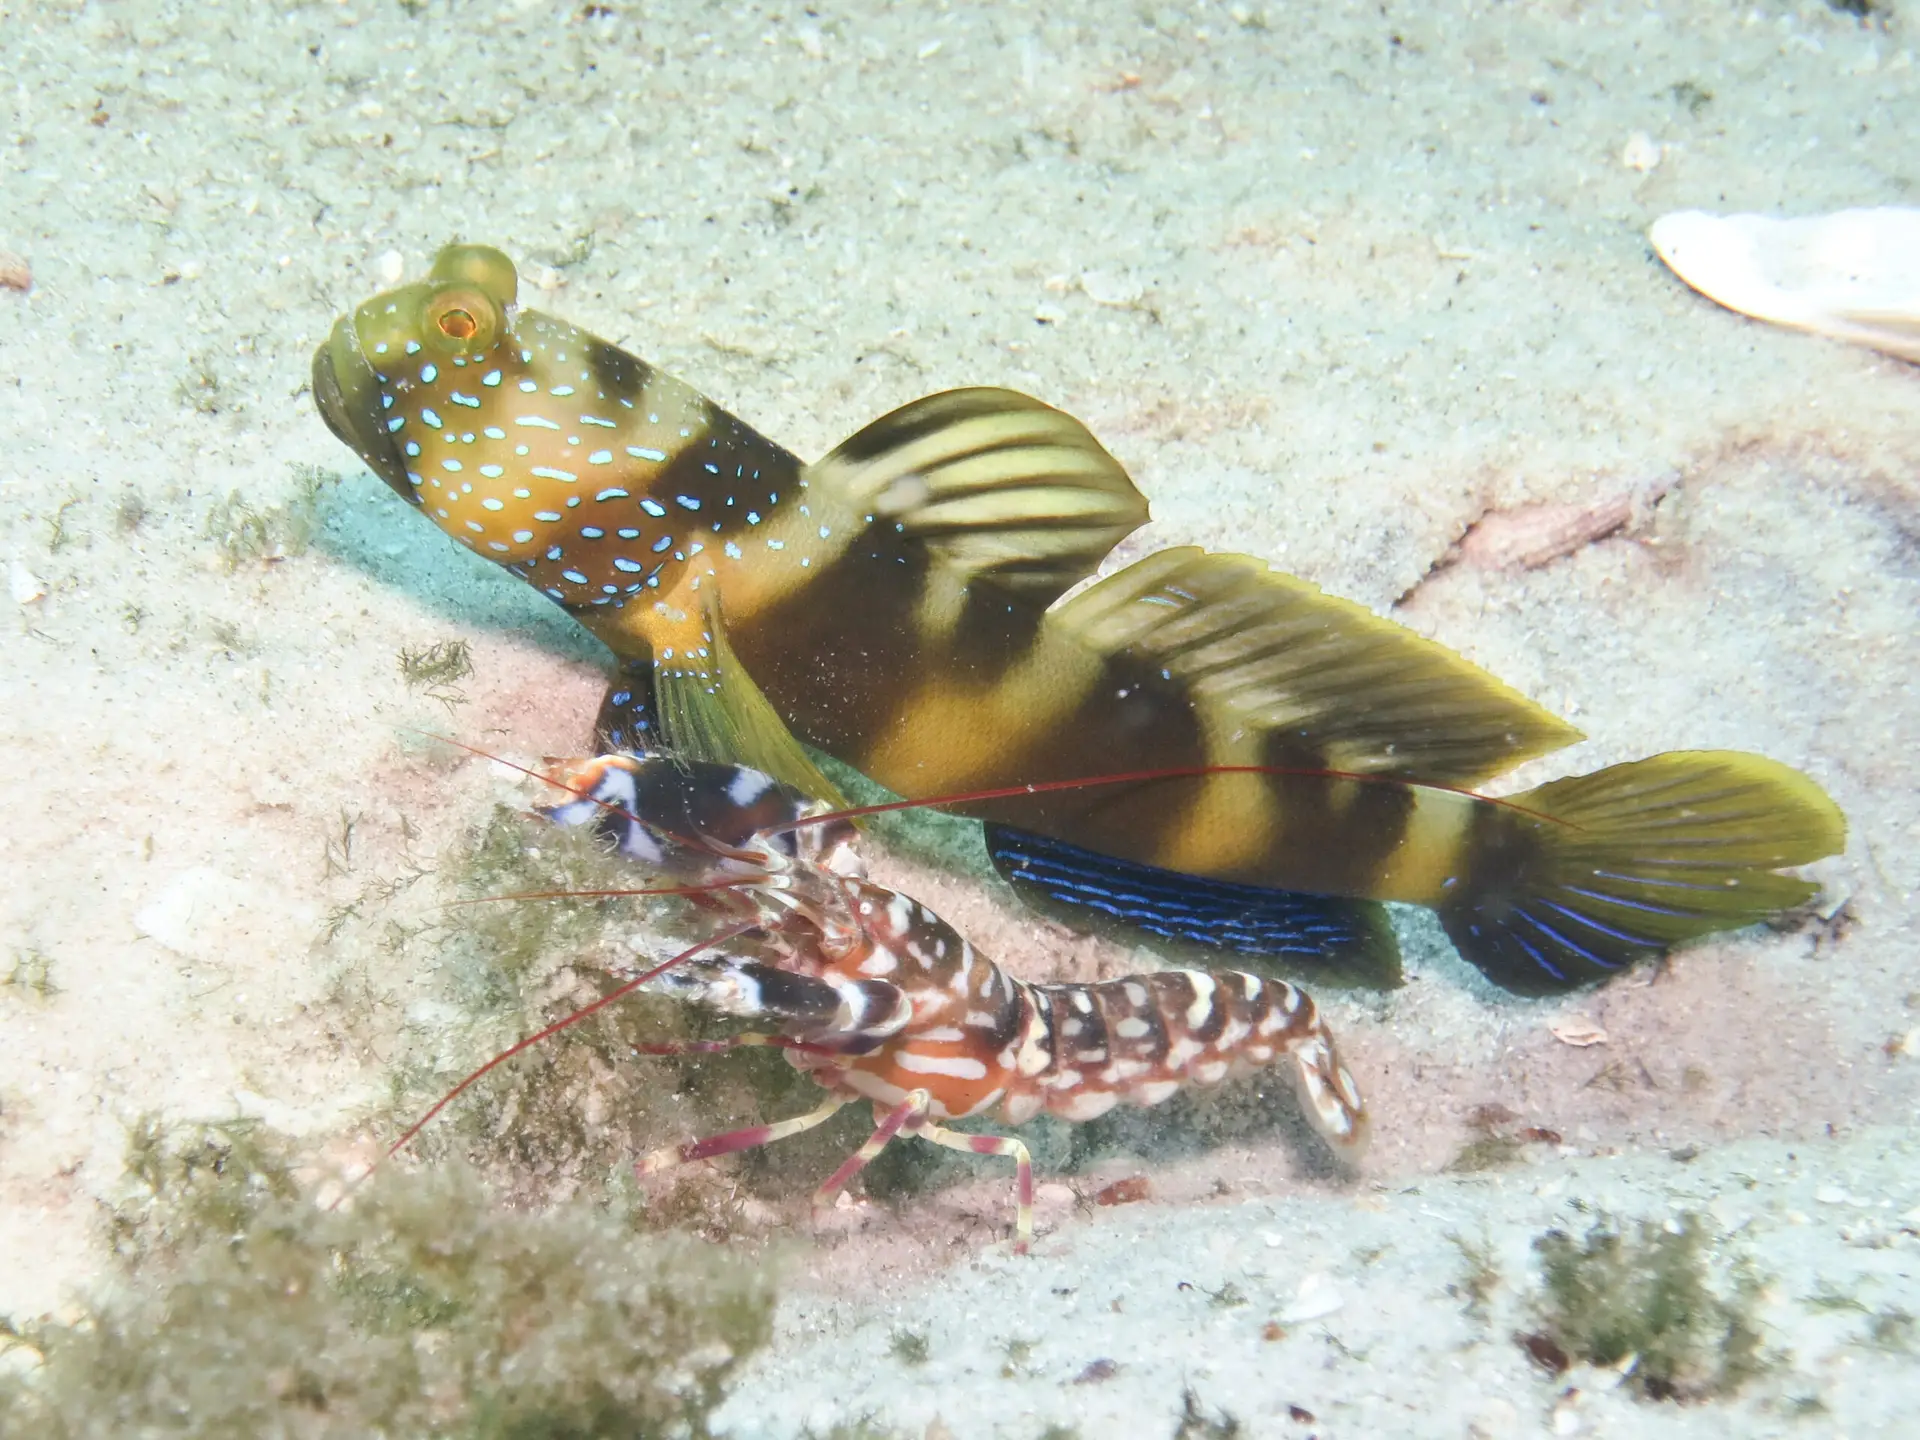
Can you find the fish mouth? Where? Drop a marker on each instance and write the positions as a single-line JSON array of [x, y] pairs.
[[348, 397]]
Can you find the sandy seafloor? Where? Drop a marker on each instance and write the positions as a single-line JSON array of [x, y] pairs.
[[1333, 281]]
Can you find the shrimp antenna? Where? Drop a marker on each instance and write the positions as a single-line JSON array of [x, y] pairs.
[[1143, 777]]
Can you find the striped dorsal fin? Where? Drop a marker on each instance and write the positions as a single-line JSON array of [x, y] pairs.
[[1284, 659], [991, 482]]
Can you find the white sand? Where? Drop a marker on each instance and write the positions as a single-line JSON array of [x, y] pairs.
[[1332, 283], [1371, 1329]]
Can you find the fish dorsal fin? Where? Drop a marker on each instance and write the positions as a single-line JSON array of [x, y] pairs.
[[1283, 658], [716, 712], [992, 482]]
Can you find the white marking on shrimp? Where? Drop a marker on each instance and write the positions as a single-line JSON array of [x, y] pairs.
[[961, 1067], [1202, 1005], [748, 786], [1089, 1105]]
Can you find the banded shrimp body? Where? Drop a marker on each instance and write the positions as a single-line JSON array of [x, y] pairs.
[[876, 999]]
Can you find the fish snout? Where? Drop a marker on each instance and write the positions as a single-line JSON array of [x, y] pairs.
[[348, 397]]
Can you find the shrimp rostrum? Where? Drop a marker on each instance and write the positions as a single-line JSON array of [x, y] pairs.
[[878, 999]]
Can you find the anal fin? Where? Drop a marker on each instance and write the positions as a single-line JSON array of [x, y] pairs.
[[1352, 939]]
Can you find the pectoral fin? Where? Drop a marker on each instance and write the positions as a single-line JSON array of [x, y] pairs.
[[994, 483], [1277, 657], [709, 708]]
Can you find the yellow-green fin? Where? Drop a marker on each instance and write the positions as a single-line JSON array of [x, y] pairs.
[[995, 483], [720, 714], [1283, 657], [1584, 876]]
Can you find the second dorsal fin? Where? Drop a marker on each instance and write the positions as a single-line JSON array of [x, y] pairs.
[[1284, 659], [993, 482]]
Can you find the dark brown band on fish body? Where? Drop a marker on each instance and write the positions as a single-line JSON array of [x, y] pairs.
[[837, 695]]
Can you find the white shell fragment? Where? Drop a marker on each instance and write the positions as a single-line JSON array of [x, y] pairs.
[[27, 587], [1317, 1298], [1577, 1031], [1853, 275], [1108, 287]]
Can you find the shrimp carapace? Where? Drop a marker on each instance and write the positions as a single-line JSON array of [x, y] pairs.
[[900, 606]]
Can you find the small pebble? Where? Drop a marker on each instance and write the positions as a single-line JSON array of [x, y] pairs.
[[1494, 1420], [27, 587], [15, 272], [1641, 152], [1103, 287], [1129, 1191]]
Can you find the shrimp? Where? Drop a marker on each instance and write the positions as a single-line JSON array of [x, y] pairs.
[[877, 999]]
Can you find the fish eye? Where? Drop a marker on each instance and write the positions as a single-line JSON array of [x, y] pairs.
[[462, 321]]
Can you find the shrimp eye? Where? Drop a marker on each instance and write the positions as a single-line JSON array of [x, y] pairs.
[[457, 324]]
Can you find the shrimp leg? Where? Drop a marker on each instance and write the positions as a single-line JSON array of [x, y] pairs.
[[734, 1140]]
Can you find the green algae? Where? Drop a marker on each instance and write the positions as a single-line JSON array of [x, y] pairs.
[[575, 1111], [437, 670], [1480, 1275], [1646, 1294], [240, 1307], [32, 970], [243, 532], [1195, 1423]]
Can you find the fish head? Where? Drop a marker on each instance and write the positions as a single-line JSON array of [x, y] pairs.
[[367, 376], [497, 421]]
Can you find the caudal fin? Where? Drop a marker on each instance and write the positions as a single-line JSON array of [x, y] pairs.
[[1582, 877]]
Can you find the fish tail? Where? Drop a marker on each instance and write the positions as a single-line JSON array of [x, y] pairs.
[[1576, 880]]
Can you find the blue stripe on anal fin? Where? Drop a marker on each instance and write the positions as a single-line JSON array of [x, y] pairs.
[[1341, 940]]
